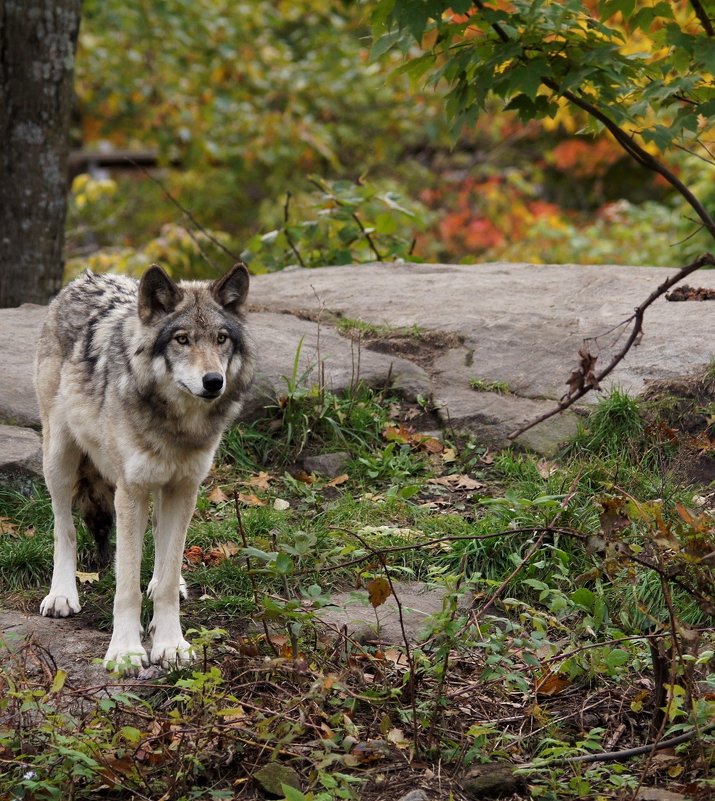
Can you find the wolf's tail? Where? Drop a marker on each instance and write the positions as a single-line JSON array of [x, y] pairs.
[[94, 499]]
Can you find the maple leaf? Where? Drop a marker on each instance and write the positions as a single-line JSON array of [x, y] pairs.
[[8, 526], [401, 434], [378, 591], [612, 517]]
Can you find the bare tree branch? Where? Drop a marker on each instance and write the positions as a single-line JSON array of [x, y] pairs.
[[637, 319]]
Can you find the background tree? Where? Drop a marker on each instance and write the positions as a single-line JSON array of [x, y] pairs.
[[642, 72], [37, 45]]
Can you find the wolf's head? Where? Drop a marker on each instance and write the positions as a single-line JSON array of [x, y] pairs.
[[197, 333]]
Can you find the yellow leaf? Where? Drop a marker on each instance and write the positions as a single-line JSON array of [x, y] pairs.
[[58, 682], [87, 578], [449, 455]]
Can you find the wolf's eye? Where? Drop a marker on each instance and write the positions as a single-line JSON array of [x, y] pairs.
[[182, 339], [221, 338]]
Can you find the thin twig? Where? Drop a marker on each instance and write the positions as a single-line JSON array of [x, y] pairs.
[[405, 639], [186, 212], [249, 572], [431, 543], [286, 230], [637, 319], [355, 217], [702, 15]]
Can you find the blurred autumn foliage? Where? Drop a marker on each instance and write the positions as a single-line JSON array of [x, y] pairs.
[[292, 142]]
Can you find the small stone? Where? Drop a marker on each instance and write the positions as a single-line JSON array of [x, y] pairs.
[[329, 465], [272, 776], [492, 780], [414, 795]]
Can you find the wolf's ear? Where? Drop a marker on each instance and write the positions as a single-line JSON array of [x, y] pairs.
[[158, 295], [231, 290]]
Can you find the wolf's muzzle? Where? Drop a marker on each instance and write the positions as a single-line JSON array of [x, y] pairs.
[[213, 383]]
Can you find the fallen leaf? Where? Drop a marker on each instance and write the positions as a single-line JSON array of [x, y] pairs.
[[449, 455], [431, 445], [397, 737], [546, 468], [259, 481], [86, 578], [612, 517], [217, 495], [250, 500], [401, 434], [305, 477], [458, 481], [378, 591], [8, 526], [551, 684], [280, 505], [194, 555], [338, 480]]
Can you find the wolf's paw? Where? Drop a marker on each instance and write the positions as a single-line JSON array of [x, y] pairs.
[[171, 654], [55, 605], [183, 592], [126, 658]]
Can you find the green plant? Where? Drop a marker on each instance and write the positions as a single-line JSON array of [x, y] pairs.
[[482, 385]]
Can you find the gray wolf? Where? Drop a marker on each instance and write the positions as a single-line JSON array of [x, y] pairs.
[[136, 383]]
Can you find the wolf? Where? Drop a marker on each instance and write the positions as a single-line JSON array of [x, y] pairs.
[[136, 383]]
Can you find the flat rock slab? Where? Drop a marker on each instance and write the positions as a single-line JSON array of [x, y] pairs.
[[73, 646], [353, 611], [519, 325], [20, 452]]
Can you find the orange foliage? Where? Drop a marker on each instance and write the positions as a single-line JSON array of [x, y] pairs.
[[585, 158]]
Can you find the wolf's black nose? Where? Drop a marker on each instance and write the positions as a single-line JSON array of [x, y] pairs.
[[213, 382]]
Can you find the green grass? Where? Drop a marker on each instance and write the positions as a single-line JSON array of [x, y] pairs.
[[562, 595], [350, 326], [482, 385]]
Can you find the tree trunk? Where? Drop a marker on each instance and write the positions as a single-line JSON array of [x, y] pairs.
[[37, 46]]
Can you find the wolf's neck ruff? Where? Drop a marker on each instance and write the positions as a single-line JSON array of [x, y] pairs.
[[136, 382]]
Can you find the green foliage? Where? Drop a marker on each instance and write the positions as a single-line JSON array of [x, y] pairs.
[[340, 223]]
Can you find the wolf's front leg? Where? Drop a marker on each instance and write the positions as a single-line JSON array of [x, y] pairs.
[[61, 458], [126, 651], [174, 506]]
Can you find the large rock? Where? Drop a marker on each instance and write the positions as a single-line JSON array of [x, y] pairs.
[[19, 330], [20, 453], [518, 325]]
